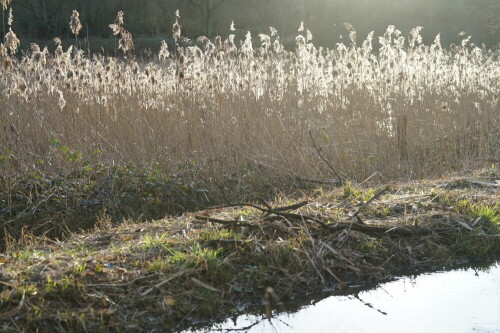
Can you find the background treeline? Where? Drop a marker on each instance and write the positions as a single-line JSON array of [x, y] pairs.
[[43, 19]]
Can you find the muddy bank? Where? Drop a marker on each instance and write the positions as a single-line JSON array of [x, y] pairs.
[[170, 273]]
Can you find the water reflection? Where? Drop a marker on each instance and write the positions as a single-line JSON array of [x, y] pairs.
[[463, 300]]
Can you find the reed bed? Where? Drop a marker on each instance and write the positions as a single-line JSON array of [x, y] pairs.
[[404, 109], [223, 115]]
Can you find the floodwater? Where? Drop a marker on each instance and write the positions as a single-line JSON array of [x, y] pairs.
[[460, 300]]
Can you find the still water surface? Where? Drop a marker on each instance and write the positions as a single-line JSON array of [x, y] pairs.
[[461, 300]]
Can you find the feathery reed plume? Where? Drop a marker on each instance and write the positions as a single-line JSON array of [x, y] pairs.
[[421, 109], [10, 20], [415, 36], [164, 53], [61, 102], [348, 26], [352, 37], [58, 51], [11, 41], [75, 24], [202, 39], [5, 60], [119, 18], [126, 43], [218, 43], [176, 30], [5, 4], [35, 47], [266, 41], [309, 35], [116, 27], [37, 56]]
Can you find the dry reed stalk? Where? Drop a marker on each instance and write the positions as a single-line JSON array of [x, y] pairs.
[[222, 110]]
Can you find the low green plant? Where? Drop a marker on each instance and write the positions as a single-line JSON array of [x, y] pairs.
[[157, 265], [154, 242], [349, 190], [27, 254], [60, 288], [371, 247], [79, 269], [488, 213]]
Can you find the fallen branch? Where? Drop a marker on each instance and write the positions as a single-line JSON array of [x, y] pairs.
[[279, 211]]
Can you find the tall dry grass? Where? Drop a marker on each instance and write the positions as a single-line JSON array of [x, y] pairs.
[[228, 108]]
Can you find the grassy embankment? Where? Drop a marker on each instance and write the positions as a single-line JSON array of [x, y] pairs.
[[209, 264], [104, 143]]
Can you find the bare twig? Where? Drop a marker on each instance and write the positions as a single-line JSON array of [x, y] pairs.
[[223, 192], [158, 285], [375, 196], [204, 285], [330, 166], [233, 223]]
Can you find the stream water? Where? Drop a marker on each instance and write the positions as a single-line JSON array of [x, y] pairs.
[[459, 300]]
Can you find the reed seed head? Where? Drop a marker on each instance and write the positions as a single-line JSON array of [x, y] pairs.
[[176, 30], [126, 42], [75, 24], [11, 41], [164, 53], [5, 4], [10, 20]]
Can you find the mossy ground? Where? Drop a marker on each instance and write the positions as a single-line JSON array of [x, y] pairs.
[[168, 273]]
